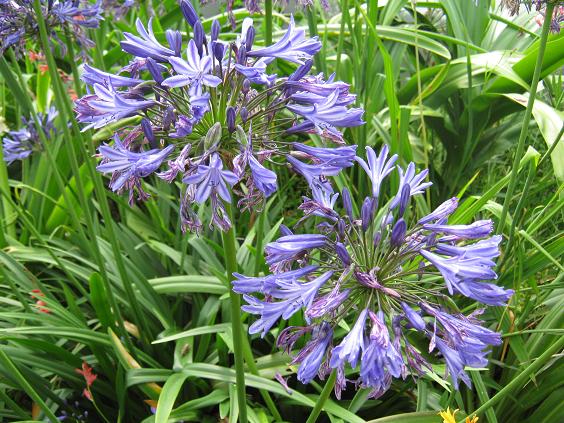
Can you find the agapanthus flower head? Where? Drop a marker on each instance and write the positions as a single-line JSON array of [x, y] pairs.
[[18, 22], [381, 277], [222, 99], [20, 144]]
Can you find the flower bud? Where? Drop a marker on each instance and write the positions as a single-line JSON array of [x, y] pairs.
[[343, 253], [242, 55], [148, 131], [169, 117], [285, 231], [153, 68], [301, 71], [347, 203], [241, 136], [367, 213], [244, 113], [218, 51], [189, 12], [215, 29], [199, 37], [377, 238], [213, 136], [231, 115], [398, 233], [250, 38], [246, 86], [404, 199], [413, 317]]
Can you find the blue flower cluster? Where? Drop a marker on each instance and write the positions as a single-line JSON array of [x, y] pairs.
[[217, 114], [20, 144], [384, 272], [18, 21]]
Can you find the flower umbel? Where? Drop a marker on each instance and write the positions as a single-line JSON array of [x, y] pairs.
[[219, 104], [380, 274]]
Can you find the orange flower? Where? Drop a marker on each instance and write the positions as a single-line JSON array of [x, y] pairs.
[[89, 378]]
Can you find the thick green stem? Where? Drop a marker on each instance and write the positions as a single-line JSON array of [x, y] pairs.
[[268, 22], [230, 251], [527, 117], [322, 398]]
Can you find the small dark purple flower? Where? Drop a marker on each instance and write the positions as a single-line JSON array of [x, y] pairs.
[[347, 203], [231, 115]]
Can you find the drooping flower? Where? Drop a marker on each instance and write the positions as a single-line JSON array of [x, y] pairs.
[[89, 378], [383, 266]]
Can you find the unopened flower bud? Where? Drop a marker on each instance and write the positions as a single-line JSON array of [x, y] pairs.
[[189, 12], [404, 199], [347, 203], [148, 131], [398, 233], [215, 28], [231, 115], [367, 213], [213, 136], [169, 117], [246, 86], [218, 51], [343, 253], [250, 38], [242, 55], [244, 113], [153, 68], [199, 36]]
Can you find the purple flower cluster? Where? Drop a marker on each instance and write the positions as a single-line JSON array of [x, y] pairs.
[[384, 274], [218, 113], [556, 20], [20, 144], [18, 21]]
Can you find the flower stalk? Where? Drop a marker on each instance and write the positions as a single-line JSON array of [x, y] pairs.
[[528, 113]]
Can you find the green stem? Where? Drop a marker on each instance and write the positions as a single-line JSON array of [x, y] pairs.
[[521, 378], [230, 251], [259, 230], [528, 113], [322, 398], [312, 24], [268, 22]]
